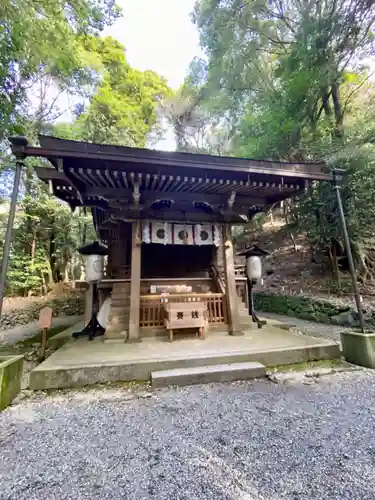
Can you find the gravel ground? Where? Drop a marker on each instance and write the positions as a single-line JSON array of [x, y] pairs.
[[309, 327], [242, 441], [13, 335]]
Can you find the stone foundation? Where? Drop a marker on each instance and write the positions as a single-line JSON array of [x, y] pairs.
[[10, 379], [306, 308]]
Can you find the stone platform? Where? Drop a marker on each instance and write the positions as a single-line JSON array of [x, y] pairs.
[[80, 362], [208, 373]]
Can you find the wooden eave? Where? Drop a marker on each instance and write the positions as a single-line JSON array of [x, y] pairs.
[[53, 148], [106, 177]]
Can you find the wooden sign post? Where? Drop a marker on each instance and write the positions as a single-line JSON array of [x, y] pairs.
[[45, 321]]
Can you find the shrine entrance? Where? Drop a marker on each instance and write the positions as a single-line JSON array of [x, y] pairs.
[[176, 261]]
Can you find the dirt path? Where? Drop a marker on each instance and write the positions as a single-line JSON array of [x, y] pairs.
[[309, 327], [14, 335]]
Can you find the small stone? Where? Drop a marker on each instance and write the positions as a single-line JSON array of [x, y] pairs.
[[145, 395], [128, 397], [309, 382], [344, 318], [319, 372], [27, 393], [285, 377]]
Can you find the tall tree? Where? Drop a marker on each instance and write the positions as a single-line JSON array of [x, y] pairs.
[[39, 40], [124, 109], [290, 72], [322, 39]]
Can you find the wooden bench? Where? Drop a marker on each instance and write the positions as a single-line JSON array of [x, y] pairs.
[[186, 315]]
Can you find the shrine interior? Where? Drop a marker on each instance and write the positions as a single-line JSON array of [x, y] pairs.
[[176, 261]]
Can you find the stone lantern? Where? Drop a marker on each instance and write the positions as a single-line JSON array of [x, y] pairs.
[[254, 274], [94, 272]]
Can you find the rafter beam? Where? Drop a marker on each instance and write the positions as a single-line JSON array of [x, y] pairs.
[[170, 216], [62, 169], [149, 196]]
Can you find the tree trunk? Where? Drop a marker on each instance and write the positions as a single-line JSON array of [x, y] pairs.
[[52, 254], [32, 256], [339, 125], [335, 265], [293, 241]]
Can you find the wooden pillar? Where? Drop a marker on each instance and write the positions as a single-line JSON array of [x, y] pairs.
[[135, 286], [234, 324]]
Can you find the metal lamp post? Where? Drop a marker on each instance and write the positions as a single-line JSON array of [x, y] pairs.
[[94, 272], [337, 180], [17, 143], [254, 275]]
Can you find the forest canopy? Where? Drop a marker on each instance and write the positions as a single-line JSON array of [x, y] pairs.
[[291, 80], [279, 79], [53, 54]]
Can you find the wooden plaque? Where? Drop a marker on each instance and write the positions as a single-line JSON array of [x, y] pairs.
[[45, 317]]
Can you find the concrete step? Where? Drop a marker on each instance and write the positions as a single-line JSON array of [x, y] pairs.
[[207, 374]]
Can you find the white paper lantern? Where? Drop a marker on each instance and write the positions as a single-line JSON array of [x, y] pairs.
[[94, 268], [254, 268]]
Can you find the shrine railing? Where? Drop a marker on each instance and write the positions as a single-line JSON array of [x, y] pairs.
[[239, 271], [152, 307]]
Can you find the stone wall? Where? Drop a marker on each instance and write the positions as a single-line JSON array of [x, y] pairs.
[[70, 305], [307, 308]]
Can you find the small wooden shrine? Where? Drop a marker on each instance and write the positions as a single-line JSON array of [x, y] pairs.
[[167, 221]]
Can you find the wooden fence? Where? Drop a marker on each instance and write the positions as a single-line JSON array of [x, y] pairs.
[[152, 307]]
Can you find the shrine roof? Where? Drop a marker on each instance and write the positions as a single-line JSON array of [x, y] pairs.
[[107, 177], [106, 156]]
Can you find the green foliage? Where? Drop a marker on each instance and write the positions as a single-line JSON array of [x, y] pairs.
[[45, 240], [124, 108], [49, 47], [39, 40], [292, 76]]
